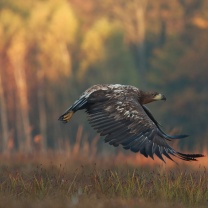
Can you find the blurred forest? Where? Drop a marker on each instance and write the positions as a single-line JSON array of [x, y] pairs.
[[52, 50]]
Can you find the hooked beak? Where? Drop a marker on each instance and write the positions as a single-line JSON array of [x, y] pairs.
[[160, 97]]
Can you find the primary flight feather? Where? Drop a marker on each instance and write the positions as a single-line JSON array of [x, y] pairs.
[[118, 113]]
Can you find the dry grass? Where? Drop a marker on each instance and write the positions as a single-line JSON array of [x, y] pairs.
[[71, 180], [78, 177]]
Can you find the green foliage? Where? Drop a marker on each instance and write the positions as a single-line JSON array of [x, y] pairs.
[[93, 44], [117, 59], [180, 65]]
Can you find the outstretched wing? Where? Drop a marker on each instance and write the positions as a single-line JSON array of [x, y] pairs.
[[122, 120], [168, 137]]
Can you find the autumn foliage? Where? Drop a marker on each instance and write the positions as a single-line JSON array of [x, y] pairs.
[[50, 51]]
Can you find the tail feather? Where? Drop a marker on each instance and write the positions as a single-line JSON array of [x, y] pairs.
[[181, 136], [188, 157], [170, 137]]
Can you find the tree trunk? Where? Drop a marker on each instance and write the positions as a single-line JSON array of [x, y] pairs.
[[16, 53], [19, 128], [42, 111], [22, 93], [140, 15], [4, 119], [132, 16]]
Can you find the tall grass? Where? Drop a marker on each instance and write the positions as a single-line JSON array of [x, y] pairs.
[[78, 177], [77, 182]]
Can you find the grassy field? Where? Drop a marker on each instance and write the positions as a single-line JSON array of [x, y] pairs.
[[65, 180]]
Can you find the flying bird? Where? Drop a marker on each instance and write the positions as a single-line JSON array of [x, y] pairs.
[[118, 113]]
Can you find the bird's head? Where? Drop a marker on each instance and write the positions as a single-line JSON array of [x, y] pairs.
[[148, 97]]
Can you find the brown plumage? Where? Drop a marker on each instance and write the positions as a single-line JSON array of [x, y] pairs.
[[118, 113]]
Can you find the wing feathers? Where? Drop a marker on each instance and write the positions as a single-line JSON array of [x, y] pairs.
[[165, 152], [148, 149], [161, 132], [116, 113], [138, 146], [133, 126]]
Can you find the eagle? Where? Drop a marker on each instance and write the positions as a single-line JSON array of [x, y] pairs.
[[119, 113]]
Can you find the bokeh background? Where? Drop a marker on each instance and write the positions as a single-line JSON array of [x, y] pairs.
[[52, 50]]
